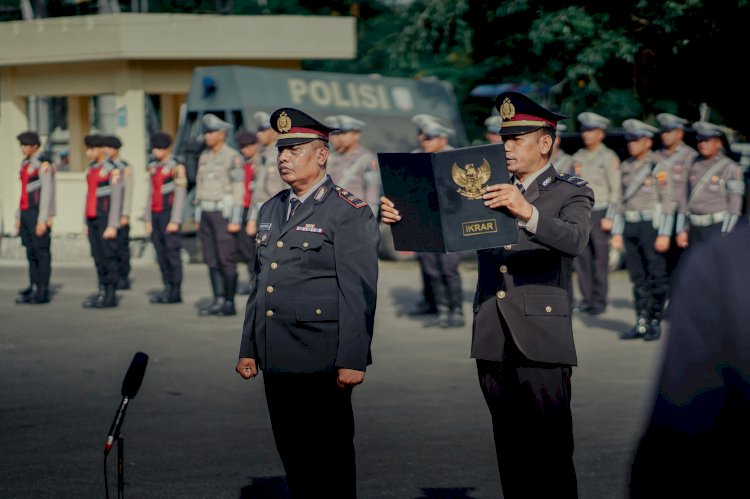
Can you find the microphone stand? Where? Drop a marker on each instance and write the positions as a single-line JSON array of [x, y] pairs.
[[120, 469]]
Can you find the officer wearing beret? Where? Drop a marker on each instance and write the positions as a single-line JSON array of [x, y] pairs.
[[523, 333], [102, 219], [267, 179], [351, 165], [677, 158], [165, 205], [712, 203], [34, 217], [309, 318], [599, 166], [219, 193], [643, 226], [492, 134], [248, 144], [112, 145]]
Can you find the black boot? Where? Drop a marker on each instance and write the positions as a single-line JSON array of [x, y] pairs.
[[123, 283], [442, 303], [41, 295], [654, 331], [161, 296], [229, 291], [656, 307], [109, 299], [637, 331], [91, 301], [217, 286], [175, 296], [456, 295], [25, 295]]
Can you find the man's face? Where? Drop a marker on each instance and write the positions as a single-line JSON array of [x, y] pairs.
[[214, 138], [94, 153], [432, 144], [639, 147], [160, 154], [266, 136], [346, 141], [28, 150], [709, 146], [526, 153], [592, 137], [249, 150], [672, 137], [302, 165]]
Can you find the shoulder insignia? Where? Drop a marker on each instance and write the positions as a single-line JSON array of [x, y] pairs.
[[350, 198], [320, 193], [577, 181]]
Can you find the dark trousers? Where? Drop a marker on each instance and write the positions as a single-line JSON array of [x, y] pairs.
[[647, 269], [167, 248], [37, 248], [529, 403], [442, 274], [592, 265], [313, 426], [699, 235], [103, 250], [246, 245], [219, 245], [123, 252]]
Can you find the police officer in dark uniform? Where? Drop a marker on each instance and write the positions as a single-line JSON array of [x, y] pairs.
[[248, 144], [523, 331], [309, 318], [102, 217], [112, 145], [219, 192], [164, 211], [34, 217], [643, 226]]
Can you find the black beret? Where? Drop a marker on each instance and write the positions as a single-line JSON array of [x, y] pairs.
[[28, 138], [161, 140], [112, 141], [93, 140], [245, 138]]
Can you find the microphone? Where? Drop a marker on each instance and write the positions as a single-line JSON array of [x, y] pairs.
[[130, 386]]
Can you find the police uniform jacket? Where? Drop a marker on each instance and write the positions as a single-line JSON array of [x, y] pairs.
[[600, 168], [646, 195], [358, 173], [715, 187], [522, 289], [678, 165], [312, 306]]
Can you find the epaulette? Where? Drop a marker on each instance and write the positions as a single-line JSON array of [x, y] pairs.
[[350, 198], [577, 181]]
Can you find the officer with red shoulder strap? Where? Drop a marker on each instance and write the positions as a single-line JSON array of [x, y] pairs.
[[34, 217], [102, 219], [167, 190]]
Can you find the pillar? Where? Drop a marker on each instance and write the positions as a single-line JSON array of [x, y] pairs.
[[13, 120]]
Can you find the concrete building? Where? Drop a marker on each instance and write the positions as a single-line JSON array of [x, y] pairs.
[[129, 58]]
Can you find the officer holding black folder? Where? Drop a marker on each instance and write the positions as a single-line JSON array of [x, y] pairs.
[[522, 335]]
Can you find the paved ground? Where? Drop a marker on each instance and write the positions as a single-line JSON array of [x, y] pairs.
[[197, 430]]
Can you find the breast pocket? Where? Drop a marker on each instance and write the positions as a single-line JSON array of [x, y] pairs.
[[314, 252], [548, 305]]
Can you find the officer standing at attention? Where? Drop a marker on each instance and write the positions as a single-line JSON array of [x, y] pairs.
[[523, 331], [164, 211], [34, 217], [219, 192], [677, 158], [351, 165], [713, 201], [493, 124], [267, 180], [248, 144], [102, 218], [309, 317], [562, 161], [112, 150], [599, 166], [643, 226]]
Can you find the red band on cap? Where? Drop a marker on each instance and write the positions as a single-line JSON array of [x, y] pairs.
[[529, 117], [306, 130]]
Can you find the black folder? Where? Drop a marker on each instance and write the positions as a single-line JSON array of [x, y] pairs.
[[439, 198]]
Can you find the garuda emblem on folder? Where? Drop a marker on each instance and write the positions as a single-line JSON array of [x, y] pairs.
[[471, 179]]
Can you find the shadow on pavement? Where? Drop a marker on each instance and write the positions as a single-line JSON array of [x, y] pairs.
[[270, 487], [447, 493]]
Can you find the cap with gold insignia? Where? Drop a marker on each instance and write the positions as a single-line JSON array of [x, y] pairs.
[[637, 129], [93, 140], [112, 141], [706, 130], [522, 115], [245, 138], [161, 140], [28, 138], [212, 123], [263, 120], [494, 123], [344, 123], [592, 121], [669, 122], [296, 127]]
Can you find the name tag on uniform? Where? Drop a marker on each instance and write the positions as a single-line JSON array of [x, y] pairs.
[[265, 226], [310, 228]]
